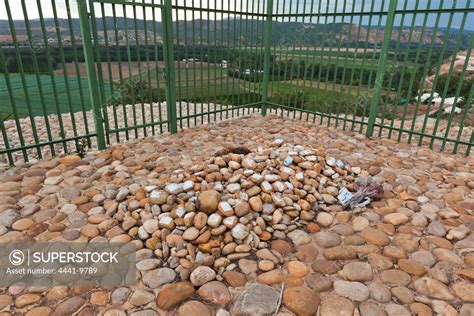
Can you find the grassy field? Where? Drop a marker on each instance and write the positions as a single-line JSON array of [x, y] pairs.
[[351, 58], [341, 99], [195, 82], [341, 62], [211, 85], [200, 82], [67, 99]]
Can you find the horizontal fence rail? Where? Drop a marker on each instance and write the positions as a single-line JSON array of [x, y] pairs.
[[81, 74]]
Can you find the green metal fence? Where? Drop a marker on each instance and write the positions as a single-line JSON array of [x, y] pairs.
[[79, 74]]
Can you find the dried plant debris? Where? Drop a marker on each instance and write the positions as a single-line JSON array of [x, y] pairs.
[[367, 189]]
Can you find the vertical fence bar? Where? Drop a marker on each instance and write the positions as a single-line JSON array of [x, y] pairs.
[[24, 84], [377, 83], [457, 98], [461, 125], [266, 55], [208, 52], [130, 79], [57, 26], [38, 77], [100, 74], [179, 95], [381, 68], [91, 72], [15, 114], [109, 101], [157, 68], [78, 72], [166, 13], [117, 94], [50, 50]]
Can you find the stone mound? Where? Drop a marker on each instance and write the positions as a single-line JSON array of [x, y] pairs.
[[232, 207]]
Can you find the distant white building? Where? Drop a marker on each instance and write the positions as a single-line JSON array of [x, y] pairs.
[[250, 71]]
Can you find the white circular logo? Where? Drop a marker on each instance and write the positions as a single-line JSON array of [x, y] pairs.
[[17, 257]]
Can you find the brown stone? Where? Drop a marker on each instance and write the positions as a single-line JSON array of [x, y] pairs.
[[90, 231], [208, 201], [23, 224], [69, 306], [307, 253], [265, 236], [326, 267], [375, 236], [340, 253], [282, 246], [412, 267], [272, 277], [5, 300], [27, 299], [39, 311], [256, 203], [394, 252], [440, 242], [467, 274], [234, 278], [99, 298], [464, 290], [194, 308], [69, 160], [313, 228], [297, 269], [420, 309], [57, 293], [301, 300], [292, 280], [173, 294], [242, 209], [379, 262], [336, 306], [215, 292], [395, 277], [318, 282], [36, 229], [88, 311]]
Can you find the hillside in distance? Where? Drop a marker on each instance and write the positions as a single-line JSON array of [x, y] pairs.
[[246, 32]]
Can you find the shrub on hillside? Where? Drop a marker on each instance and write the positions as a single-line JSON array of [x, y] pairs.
[[136, 90]]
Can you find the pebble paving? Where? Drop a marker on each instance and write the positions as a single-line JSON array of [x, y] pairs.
[[253, 230]]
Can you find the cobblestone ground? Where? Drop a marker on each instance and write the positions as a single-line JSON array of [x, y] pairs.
[[119, 117], [253, 233]]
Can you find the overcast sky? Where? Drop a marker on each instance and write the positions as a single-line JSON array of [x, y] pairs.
[[246, 5]]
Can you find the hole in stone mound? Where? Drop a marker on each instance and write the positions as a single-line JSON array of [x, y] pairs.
[[233, 150]]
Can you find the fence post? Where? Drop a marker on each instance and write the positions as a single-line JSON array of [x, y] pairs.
[[168, 49], [91, 72], [381, 67], [266, 56]]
